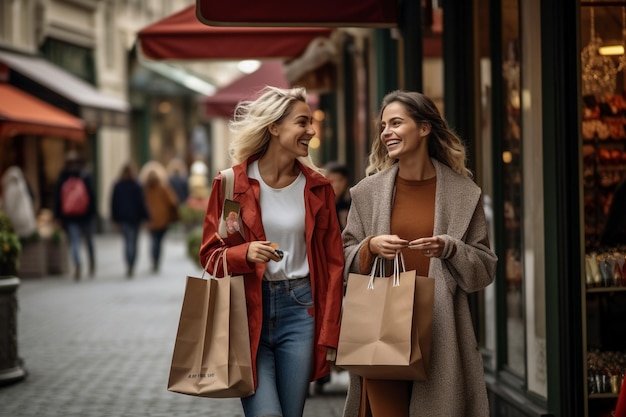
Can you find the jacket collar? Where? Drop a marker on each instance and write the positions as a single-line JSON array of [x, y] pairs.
[[246, 191], [451, 218], [242, 182]]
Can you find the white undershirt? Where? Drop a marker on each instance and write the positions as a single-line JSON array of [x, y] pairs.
[[282, 213]]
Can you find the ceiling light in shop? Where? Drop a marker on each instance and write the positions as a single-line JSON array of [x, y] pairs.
[[611, 50]]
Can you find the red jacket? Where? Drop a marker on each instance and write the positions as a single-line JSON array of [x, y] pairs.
[[324, 253]]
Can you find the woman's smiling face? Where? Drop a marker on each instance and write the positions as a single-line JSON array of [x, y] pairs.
[[400, 134], [296, 130]]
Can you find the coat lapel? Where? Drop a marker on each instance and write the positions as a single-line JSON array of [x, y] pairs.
[[247, 190], [454, 202], [382, 210]]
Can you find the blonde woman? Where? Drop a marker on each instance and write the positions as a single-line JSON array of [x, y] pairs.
[[288, 247], [419, 199]]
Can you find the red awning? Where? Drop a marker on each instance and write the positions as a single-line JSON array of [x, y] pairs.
[[23, 114], [347, 13], [224, 101], [183, 36]]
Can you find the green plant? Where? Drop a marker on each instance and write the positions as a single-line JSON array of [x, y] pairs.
[[10, 247], [191, 215], [194, 240]]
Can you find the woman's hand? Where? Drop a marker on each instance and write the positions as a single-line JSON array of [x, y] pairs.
[[429, 246], [386, 246], [260, 251]]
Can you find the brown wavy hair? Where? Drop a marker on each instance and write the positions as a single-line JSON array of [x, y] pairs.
[[443, 144]]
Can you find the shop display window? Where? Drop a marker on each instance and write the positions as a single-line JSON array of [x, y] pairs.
[[603, 130], [512, 188]]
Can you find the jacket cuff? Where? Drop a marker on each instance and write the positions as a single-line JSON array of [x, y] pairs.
[[366, 257], [449, 248]]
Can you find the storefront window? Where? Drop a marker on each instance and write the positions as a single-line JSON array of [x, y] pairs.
[[487, 318], [603, 110], [511, 137]]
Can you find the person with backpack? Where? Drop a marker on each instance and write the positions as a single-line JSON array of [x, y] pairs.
[[75, 209]]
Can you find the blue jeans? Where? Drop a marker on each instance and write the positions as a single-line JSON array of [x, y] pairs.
[[76, 230], [157, 243], [130, 232], [285, 355]]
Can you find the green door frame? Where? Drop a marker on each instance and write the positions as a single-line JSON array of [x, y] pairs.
[[562, 178]]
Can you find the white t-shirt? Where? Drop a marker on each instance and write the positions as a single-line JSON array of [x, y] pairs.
[[282, 213]]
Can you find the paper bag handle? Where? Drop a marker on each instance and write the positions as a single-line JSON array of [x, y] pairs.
[[398, 267], [224, 265], [222, 255], [370, 284], [397, 262]]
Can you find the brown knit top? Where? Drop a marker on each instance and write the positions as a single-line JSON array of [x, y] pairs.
[[412, 217]]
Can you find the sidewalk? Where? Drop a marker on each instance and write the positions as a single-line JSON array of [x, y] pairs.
[[101, 347]]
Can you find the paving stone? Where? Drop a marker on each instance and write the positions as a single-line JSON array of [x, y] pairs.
[[101, 347]]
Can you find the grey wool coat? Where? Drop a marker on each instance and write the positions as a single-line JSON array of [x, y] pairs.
[[456, 384]]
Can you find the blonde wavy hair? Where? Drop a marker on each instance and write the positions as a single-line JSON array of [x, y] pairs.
[[252, 119], [443, 144]]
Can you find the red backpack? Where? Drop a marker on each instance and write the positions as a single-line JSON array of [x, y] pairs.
[[74, 197]]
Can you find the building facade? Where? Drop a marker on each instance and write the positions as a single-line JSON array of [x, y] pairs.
[[75, 55]]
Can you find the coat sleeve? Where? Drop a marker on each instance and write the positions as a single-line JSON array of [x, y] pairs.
[[329, 335], [354, 236], [473, 264], [211, 242]]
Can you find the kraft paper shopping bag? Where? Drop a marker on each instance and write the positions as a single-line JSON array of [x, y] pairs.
[[212, 349], [386, 325]]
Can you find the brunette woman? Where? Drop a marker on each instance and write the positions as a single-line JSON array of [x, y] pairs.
[[419, 199]]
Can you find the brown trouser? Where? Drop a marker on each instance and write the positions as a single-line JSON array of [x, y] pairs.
[[383, 398]]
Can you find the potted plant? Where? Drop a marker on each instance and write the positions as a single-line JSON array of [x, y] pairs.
[[11, 369], [10, 248], [194, 240]]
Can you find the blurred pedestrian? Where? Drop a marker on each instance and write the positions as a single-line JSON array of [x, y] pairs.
[[75, 208], [419, 198], [340, 177], [178, 179], [162, 205], [17, 203], [128, 211], [285, 204]]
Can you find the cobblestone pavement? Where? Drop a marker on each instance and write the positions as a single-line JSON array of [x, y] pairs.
[[101, 347]]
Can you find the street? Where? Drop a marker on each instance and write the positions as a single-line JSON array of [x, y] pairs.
[[102, 347]]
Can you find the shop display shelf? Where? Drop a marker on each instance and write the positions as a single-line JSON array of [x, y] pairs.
[[605, 289], [603, 395]]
